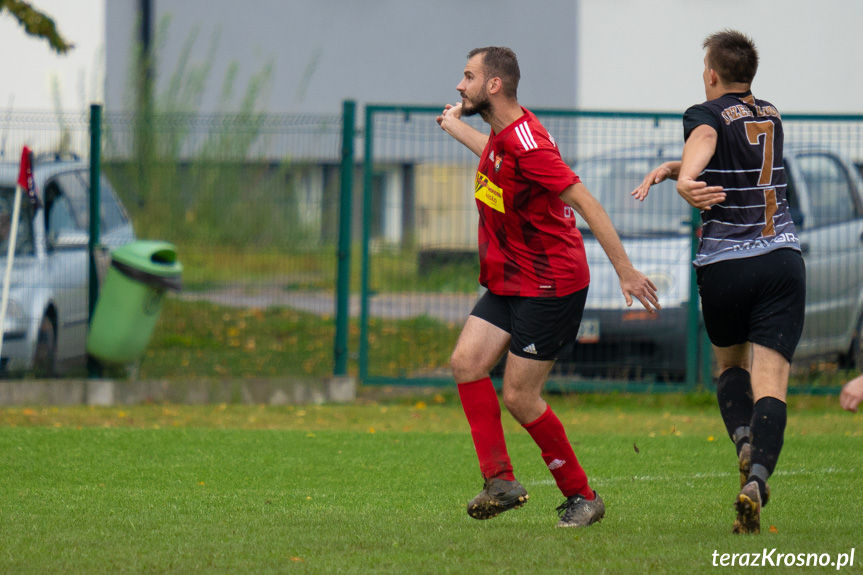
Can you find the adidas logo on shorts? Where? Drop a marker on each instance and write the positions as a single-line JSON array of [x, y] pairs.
[[530, 349]]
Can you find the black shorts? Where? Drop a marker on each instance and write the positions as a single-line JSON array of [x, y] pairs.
[[542, 328], [760, 299]]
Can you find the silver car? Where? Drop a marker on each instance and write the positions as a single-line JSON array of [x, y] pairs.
[[47, 314], [824, 195]]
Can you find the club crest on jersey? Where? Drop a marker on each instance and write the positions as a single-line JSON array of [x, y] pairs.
[[497, 162]]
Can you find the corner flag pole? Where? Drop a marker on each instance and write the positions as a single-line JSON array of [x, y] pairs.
[[25, 180]]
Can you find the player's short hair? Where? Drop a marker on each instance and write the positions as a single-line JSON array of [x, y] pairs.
[[500, 62], [733, 55]]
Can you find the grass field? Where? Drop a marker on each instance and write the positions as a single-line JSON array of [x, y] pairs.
[[381, 486]]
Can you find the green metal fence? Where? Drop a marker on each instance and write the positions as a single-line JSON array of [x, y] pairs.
[[252, 204], [420, 265], [313, 247]]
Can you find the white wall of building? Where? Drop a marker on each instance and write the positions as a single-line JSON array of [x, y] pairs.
[[593, 54], [646, 55], [322, 52]]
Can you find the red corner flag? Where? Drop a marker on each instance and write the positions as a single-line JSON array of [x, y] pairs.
[[25, 177]]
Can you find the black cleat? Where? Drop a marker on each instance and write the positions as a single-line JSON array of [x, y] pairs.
[[577, 511], [497, 496], [748, 507]]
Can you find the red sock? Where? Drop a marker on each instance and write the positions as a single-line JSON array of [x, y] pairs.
[[482, 408], [548, 433]]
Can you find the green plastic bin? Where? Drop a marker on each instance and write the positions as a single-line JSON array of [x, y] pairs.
[[131, 299]]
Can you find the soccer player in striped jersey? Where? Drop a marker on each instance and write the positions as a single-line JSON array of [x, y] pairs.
[[533, 263], [750, 270]]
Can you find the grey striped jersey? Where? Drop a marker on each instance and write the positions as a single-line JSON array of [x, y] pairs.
[[754, 217]]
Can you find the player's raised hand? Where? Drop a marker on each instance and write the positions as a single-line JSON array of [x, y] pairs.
[[655, 176], [699, 194], [450, 113], [635, 284], [450, 121]]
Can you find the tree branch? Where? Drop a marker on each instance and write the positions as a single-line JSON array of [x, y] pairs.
[[36, 23]]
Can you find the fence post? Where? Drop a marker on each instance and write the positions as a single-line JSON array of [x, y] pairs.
[[368, 170], [94, 368], [343, 281]]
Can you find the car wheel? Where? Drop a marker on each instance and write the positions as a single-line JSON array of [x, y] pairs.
[[45, 359]]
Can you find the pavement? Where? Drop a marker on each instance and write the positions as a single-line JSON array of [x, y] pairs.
[[450, 308]]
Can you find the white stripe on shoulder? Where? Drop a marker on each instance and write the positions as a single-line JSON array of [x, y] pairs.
[[520, 137], [524, 136], [527, 131]]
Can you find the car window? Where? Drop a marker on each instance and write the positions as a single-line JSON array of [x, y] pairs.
[[75, 200], [24, 238], [830, 190], [792, 198], [612, 180], [60, 217], [111, 214]]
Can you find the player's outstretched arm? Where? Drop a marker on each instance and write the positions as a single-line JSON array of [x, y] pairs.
[[697, 151], [451, 123], [668, 170], [633, 283], [852, 394]]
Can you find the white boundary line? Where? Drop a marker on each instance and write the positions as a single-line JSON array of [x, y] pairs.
[[695, 476]]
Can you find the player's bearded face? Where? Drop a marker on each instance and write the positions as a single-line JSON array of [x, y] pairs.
[[479, 104]]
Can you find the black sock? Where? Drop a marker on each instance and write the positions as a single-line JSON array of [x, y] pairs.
[[768, 434], [762, 487], [734, 392]]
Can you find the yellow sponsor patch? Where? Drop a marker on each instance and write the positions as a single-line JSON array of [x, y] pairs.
[[488, 193]]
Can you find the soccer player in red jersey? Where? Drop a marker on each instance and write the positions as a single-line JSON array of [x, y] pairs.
[[533, 263]]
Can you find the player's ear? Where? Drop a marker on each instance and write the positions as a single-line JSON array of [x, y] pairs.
[[714, 77], [494, 85]]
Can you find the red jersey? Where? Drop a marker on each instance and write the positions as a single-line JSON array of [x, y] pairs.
[[528, 242]]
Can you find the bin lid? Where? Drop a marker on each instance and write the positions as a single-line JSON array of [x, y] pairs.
[[151, 256]]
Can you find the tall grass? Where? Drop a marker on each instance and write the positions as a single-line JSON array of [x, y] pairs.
[[194, 340], [211, 179]]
